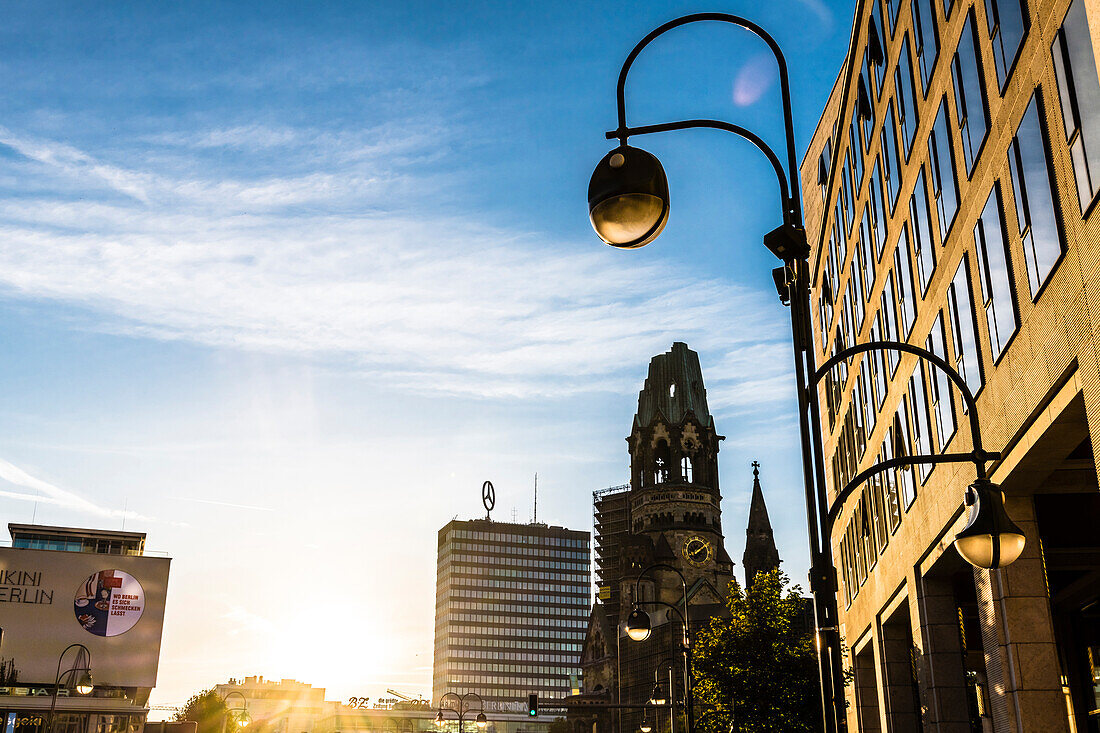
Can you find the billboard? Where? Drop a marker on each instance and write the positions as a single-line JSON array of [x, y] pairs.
[[112, 604]]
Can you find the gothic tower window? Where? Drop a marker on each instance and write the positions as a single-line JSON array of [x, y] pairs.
[[661, 459], [685, 468]]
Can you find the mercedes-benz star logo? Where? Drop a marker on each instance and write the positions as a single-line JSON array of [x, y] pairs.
[[488, 496]]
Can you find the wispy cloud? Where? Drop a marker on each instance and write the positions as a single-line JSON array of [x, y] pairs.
[[47, 493], [278, 264]]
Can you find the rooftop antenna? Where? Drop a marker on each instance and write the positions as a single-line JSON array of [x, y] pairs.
[[536, 520]]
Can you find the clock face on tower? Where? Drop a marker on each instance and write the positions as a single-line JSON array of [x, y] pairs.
[[697, 551]]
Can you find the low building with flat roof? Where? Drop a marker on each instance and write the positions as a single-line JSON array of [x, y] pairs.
[[78, 603]]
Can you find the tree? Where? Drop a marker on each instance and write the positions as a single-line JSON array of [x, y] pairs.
[[207, 709], [756, 670]]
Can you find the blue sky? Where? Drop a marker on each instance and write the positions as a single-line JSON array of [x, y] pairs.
[[282, 284]]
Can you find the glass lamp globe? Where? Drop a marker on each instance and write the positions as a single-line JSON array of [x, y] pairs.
[[439, 719], [628, 198], [481, 720], [990, 539], [84, 684], [638, 626]]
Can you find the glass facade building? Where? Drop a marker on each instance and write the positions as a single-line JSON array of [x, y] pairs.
[[512, 605]]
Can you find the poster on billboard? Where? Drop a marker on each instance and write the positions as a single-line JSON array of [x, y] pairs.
[[112, 604]]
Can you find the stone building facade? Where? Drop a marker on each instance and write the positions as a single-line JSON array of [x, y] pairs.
[[950, 193]]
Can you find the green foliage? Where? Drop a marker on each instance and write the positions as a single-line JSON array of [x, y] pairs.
[[756, 671], [208, 710]]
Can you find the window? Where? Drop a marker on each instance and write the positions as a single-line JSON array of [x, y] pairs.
[[855, 158], [994, 274], [866, 254], [942, 404], [890, 319], [1034, 193], [878, 210], [921, 425], [923, 245], [963, 329], [878, 361], [1079, 94], [904, 447], [907, 299], [686, 469], [947, 8], [907, 98], [945, 189], [866, 112], [970, 103], [891, 167], [876, 44], [925, 40], [892, 7], [847, 200], [1007, 20], [823, 168]]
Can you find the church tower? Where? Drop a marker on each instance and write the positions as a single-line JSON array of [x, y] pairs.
[[760, 556], [670, 515], [675, 511]]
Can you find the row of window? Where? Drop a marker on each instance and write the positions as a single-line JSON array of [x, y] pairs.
[[495, 632], [570, 659], [463, 580], [518, 608], [509, 685], [519, 539], [522, 564], [511, 669], [478, 592], [541, 621], [497, 549], [446, 640], [475, 575]]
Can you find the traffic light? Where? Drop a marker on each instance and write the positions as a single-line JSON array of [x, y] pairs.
[[533, 704]]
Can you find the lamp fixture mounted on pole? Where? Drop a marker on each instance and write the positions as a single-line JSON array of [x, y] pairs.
[[990, 539], [628, 205], [639, 627], [461, 708], [240, 715], [81, 671]]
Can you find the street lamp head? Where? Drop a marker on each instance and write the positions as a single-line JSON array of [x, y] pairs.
[[628, 198], [481, 720], [243, 719], [990, 539], [638, 626], [439, 719], [658, 696], [84, 684], [645, 727]]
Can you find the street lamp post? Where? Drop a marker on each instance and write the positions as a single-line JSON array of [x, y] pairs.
[[658, 698], [628, 204], [242, 719], [462, 708], [639, 627], [82, 668]]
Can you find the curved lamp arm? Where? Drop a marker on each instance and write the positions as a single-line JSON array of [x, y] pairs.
[[792, 206], [978, 456], [664, 566]]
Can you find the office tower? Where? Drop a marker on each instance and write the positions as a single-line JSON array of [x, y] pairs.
[[512, 602]]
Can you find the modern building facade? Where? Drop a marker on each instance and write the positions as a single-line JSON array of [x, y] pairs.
[[670, 515], [950, 194], [512, 602], [76, 603]]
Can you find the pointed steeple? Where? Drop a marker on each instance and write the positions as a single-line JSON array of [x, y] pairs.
[[760, 552]]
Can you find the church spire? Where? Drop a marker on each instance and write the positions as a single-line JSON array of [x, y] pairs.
[[760, 552]]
